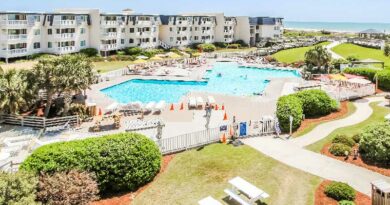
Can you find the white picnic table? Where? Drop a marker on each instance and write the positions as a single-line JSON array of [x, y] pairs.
[[248, 189], [209, 201]]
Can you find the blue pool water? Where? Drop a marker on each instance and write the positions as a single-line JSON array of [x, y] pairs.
[[234, 80]]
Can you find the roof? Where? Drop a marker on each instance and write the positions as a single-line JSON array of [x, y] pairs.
[[369, 60], [372, 31], [263, 20]]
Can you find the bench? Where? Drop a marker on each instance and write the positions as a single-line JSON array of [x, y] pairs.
[[235, 197]]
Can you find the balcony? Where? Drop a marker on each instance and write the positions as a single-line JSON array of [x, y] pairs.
[[109, 35], [147, 45], [19, 23], [108, 47], [229, 40], [65, 22], [15, 37], [65, 35], [14, 52], [66, 49], [109, 23], [144, 23], [231, 31]]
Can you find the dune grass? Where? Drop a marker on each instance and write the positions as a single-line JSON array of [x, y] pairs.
[[348, 49], [377, 116], [294, 54], [351, 110], [193, 175]]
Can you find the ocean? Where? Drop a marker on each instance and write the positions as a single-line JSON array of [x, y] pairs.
[[336, 26]]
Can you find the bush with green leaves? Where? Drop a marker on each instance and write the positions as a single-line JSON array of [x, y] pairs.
[[220, 44], [18, 188], [241, 42], [207, 47], [346, 202], [384, 79], [121, 162], [133, 51], [287, 106], [234, 46], [316, 102], [356, 138], [90, 52], [366, 72], [386, 50], [375, 143], [343, 139], [338, 149], [340, 191], [80, 110], [73, 187]]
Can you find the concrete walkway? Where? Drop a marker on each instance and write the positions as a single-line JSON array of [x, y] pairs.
[[329, 48], [363, 111], [316, 164]]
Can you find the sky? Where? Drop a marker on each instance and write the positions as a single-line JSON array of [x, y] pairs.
[[292, 10]]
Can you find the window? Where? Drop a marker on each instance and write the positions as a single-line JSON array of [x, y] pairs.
[[122, 41], [82, 43], [131, 30], [196, 38], [49, 31], [131, 40], [123, 30], [170, 29], [37, 32], [49, 45], [154, 39], [154, 29], [37, 45], [37, 18], [82, 30]]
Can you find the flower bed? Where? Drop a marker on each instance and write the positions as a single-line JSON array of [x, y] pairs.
[[322, 199]]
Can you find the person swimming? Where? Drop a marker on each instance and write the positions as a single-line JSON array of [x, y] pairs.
[[219, 75]]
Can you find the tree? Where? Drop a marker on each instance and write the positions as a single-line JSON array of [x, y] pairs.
[[76, 75], [386, 51], [318, 56], [18, 188], [13, 87]]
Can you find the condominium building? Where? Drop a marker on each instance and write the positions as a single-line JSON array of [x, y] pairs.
[[70, 30]]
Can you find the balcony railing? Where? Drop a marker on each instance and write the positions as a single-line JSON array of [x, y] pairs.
[[110, 23], [147, 45], [65, 22], [110, 34], [15, 52], [14, 22], [17, 36], [65, 35], [66, 49], [108, 47]]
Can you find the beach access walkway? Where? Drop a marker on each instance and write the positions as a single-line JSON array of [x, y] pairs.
[[329, 48], [292, 153]]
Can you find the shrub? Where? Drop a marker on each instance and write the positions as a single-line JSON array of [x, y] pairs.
[[340, 191], [366, 72], [356, 138], [384, 79], [316, 102], [338, 149], [207, 47], [386, 50], [346, 202], [352, 58], [80, 110], [90, 52], [337, 62], [122, 161], [72, 187], [375, 142], [286, 106], [133, 51], [241, 42], [343, 139], [234, 46], [121, 53], [17, 188], [220, 44]]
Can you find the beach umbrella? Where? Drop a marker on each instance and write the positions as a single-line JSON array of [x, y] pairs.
[[142, 57], [140, 61]]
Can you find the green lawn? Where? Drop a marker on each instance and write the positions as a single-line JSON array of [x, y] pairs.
[[193, 175], [378, 116], [351, 110], [104, 67], [294, 54], [347, 49]]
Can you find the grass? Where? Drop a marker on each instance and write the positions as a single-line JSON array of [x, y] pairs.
[[294, 54], [351, 110], [110, 65], [348, 49], [377, 116], [193, 175]]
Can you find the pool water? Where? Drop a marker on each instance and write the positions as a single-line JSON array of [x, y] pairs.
[[224, 78]]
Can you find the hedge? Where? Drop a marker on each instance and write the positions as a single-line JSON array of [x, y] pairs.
[[338, 149], [286, 106], [384, 79], [90, 52], [340, 191], [207, 47], [343, 139], [366, 72], [121, 162], [375, 143], [316, 102], [346, 202]]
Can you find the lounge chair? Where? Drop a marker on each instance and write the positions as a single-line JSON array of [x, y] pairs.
[[199, 102], [160, 106], [211, 100], [149, 107], [209, 201], [191, 102]]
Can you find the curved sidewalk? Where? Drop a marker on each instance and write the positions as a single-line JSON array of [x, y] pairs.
[[329, 49], [363, 111]]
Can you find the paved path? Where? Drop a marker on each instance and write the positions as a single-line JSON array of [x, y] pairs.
[[329, 48], [316, 164], [363, 111]]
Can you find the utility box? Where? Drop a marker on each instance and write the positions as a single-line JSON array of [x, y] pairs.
[[380, 193]]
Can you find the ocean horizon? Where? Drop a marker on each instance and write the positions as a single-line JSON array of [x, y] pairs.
[[337, 26]]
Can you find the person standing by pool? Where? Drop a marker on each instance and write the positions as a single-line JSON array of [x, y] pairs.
[[208, 114]]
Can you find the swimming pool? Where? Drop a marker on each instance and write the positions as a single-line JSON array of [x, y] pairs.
[[233, 80]]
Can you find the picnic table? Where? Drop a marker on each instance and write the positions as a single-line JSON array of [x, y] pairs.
[[209, 201], [251, 191]]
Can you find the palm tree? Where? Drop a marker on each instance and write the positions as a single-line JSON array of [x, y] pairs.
[[76, 75], [318, 56], [12, 94]]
